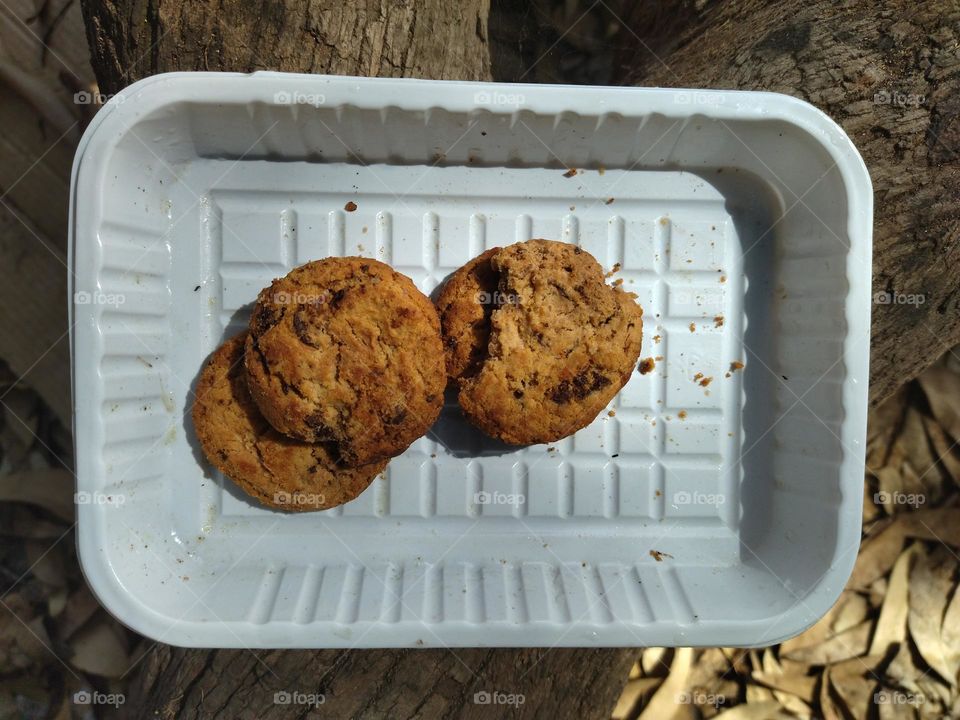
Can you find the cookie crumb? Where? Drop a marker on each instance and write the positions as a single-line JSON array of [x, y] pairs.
[[693, 327], [736, 365], [601, 170], [718, 321], [706, 381], [682, 414], [608, 201], [659, 556], [350, 206], [570, 173], [647, 365], [611, 413]]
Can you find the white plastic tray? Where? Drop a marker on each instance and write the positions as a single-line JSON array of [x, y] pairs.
[[726, 514]]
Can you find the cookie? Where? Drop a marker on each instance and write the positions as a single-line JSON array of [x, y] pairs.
[[346, 350], [465, 304], [277, 470], [560, 343]]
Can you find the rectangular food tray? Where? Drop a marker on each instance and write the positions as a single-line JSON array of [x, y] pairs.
[[712, 504]]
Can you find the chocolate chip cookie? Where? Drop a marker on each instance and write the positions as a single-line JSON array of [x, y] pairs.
[[554, 347], [348, 351], [277, 470]]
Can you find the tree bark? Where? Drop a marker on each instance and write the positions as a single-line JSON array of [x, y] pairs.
[[889, 73], [176, 684]]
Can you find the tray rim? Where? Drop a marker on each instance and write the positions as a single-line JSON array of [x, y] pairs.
[[146, 96]]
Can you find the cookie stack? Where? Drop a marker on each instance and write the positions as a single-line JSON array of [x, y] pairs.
[[341, 369], [345, 362]]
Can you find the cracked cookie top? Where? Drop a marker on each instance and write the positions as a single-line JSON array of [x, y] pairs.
[[347, 350], [550, 349], [277, 470]]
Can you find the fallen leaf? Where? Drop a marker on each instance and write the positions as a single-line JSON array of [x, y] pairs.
[[839, 647], [891, 625], [941, 385], [635, 691], [756, 711], [931, 582], [99, 648], [663, 705]]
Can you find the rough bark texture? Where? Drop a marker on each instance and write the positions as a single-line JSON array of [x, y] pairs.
[[131, 39], [889, 73], [176, 684]]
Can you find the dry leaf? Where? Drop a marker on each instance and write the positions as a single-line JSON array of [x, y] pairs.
[[829, 708], [803, 686], [855, 693], [46, 562], [755, 711], [663, 705], [81, 606], [852, 610], [931, 583], [844, 645], [99, 648], [892, 624], [634, 692], [943, 447], [942, 388], [877, 553], [653, 662]]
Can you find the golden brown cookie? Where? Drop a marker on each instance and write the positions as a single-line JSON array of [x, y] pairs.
[[561, 343], [465, 304], [346, 350], [278, 471]]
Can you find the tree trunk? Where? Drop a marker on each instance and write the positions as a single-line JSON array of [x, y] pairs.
[[175, 684], [889, 73]]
